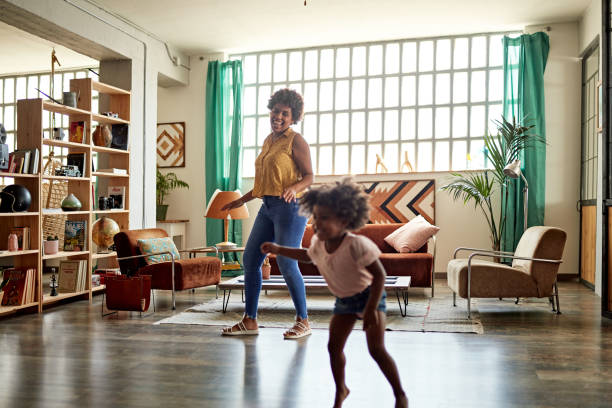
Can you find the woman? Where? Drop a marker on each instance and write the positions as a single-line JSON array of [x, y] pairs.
[[283, 170]]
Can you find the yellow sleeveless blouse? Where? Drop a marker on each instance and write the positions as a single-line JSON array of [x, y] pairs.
[[275, 169]]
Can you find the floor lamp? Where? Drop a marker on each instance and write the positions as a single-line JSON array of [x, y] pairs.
[[513, 170]]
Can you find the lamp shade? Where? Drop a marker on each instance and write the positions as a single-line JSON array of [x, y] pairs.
[[219, 199], [513, 170]]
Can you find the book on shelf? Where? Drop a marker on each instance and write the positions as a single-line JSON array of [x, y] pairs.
[[113, 171], [74, 235], [117, 193], [19, 286], [34, 160], [69, 274], [77, 159], [12, 164], [120, 136], [76, 132], [22, 159], [23, 237]]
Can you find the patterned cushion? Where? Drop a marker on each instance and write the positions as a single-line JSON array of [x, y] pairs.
[[153, 245]]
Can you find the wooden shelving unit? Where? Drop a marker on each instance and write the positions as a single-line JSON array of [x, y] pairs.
[[30, 113]]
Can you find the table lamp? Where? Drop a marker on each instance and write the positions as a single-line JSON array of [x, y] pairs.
[[213, 210], [513, 170]]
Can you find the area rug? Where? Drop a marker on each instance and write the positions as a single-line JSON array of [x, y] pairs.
[[424, 314]]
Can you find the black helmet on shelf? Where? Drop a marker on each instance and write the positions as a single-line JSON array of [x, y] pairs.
[[15, 198]]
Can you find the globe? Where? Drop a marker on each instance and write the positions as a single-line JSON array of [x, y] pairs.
[[102, 232]]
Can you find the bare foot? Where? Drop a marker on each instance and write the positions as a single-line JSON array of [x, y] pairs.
[[401, 401], [341, 394], [246, 326]]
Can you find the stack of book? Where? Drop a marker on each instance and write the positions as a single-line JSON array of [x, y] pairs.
[[25, 161], [72, 276], [19, 286]]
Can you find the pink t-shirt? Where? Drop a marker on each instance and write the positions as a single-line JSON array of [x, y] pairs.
[[345, 270]]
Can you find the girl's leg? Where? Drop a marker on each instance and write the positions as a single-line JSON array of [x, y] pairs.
[[340, 327], [376, 345]]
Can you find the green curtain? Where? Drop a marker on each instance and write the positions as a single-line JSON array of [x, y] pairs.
[[223, 142], [524, 63]]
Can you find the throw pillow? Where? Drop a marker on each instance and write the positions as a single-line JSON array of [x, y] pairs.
[[412, 235], [153, 245]]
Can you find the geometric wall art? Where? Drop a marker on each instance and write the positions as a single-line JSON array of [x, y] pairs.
[[171, 144]]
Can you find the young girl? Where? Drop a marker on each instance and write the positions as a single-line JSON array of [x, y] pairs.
[[349, 263]]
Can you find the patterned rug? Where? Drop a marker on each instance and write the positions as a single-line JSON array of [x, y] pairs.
[[424, 314]]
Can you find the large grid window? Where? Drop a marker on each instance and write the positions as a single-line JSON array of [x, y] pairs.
[[16, 87], [423, 104]]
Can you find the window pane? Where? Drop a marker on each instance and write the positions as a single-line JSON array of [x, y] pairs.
[[477, 154], [358, 159], [408, 91], [57, 86], [479, 52], [326, 159], [425, 90], [313, 158], [342, 95], [495, 113], [327, 64], [359, 61], [310, 97], [263, 129], [249, 69], [373, 150], [248, 163], [424, 157], [358, 94], [21, 88], [459, 155], [342, 128], [460, 57], [391, 130], [295, 66], [375, 93], [442, 157], [311, 60], [408, 157], [496, 85], [443, 54], [264, 96], [460, 121], [442, 89], [391, 152], [409, 57], [326, 96], [391, 91], [374, 126], [442, 123], [249, 104], [392, 60], [358, 127], [9, 88], [460, 87], [9, 121], [341, 160], [426, 56], [326, 128], [477, 121], [342, 62], [375, 60], [280, 67], [496, 50], [2, 90], [408, 124], [479, 82], [265, 68], [310, 129], [425, 123], [249, 132]]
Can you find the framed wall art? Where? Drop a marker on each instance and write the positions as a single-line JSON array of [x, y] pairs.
[[171, 144]]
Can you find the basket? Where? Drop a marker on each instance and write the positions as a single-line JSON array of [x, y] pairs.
[[53, 192]]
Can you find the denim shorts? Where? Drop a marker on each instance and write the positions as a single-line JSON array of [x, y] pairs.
[[356, 303]]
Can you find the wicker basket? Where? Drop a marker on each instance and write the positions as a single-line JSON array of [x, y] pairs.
[[53, 192]]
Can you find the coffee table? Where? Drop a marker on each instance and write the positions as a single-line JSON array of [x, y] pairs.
[[397, 284]]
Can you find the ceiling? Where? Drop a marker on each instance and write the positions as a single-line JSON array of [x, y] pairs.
[[199, 27]]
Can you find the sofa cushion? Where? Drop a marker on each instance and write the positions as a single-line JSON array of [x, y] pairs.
[[412, 235], [153, 245]]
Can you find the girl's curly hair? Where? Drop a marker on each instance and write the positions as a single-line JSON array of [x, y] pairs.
[[290, 98], [346, 199]]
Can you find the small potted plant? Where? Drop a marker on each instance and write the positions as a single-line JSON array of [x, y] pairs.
[[165, 184], [51, 245]]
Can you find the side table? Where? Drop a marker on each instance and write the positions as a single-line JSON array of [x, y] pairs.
[[174, 228], [226, 266]]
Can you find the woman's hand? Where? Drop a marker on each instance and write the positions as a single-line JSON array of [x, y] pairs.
[[232, 204], [370, 319], [269, 248], [289, 195]]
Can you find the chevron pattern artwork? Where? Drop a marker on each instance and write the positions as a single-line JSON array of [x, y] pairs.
[[401, 201], [171, 144]]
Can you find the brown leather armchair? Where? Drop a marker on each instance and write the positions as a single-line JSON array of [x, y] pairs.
[[179, 274]]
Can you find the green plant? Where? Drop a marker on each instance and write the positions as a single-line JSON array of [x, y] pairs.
[[500, 149], [51, 238], [165, 184]]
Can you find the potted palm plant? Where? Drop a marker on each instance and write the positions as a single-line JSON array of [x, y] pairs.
[[479, 188], [164, 185]]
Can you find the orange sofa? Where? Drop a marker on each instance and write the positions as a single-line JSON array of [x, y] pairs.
[[418, 265]]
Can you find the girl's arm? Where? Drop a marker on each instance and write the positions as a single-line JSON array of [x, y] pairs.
[[370, 317], [299, 254]]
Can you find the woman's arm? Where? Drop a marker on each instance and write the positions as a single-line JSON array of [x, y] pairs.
[[301, 156], [299, 254], [370, 317], [237, 203]]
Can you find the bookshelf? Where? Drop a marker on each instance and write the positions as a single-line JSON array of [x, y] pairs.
[[87, 188]]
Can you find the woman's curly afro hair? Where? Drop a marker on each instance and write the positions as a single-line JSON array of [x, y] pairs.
[[290, 98], [346, 199]]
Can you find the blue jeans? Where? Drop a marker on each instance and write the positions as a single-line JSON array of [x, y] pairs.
[[277, 221]]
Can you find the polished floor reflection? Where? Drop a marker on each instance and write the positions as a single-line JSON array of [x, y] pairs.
[[70, 356]]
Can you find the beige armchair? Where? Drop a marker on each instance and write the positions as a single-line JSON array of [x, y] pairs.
[[533, 272]]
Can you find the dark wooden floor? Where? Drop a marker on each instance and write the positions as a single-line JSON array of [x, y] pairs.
[[70, 356]]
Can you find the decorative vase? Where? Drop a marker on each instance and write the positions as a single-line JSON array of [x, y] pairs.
[[102, 136], [160, 214], [51, 247], [265, 269], [71, 203], [13, 243]]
